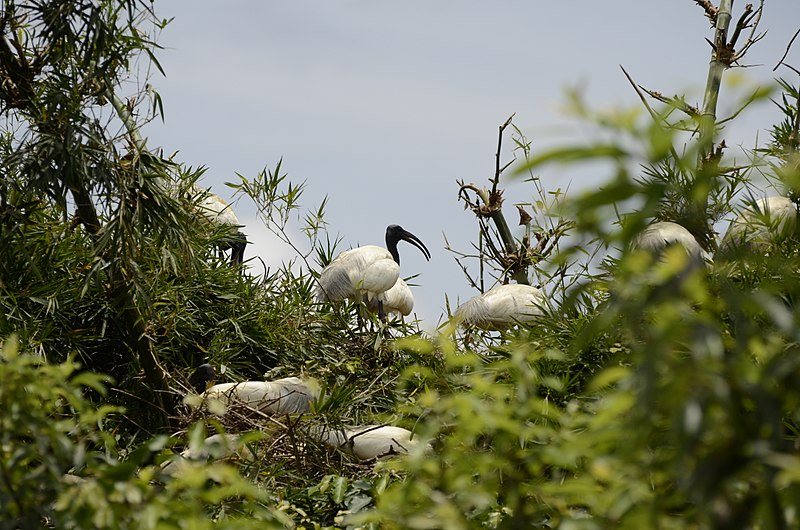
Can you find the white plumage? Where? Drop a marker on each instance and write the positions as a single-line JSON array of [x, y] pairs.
[[368, 442], [220, 214], [658, 236], [398, 300], [758, 226], [501, 307], [366, 274], [215, 209], [290, 395]]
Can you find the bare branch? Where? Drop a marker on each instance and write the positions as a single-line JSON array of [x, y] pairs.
[[788, 47], [743, 23], [747, 20], [497, 169], [653, 114], [710, 9]]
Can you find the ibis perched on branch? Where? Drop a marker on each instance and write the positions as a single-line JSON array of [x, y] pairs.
[[290, 395], [367, 274], [760, 225], [221, 215], [664, 234], [501, 307]]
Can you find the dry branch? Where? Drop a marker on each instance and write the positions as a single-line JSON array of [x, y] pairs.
[[710, 9]]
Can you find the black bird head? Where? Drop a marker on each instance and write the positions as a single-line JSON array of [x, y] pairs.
[[394, 233], [237, 249], [201, 377]]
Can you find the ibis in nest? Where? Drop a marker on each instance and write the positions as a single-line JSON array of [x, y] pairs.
[[764, 222], [368, 274], [661, 235], [501, 307], [220, 214], [290, 395], [368, 442]]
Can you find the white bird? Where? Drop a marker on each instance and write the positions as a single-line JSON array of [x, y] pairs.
[[659, 236], [367, 273], [368, 442], [398, 300], [766, 221], [220, 214], [501, 307], [290, 395]]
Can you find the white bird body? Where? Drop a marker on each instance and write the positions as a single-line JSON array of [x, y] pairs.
[[398, 300], [369, 273], [368, 442], [215, 209], [756, 227], [220, 214], [290, 395], [658, 236], [501, 307]]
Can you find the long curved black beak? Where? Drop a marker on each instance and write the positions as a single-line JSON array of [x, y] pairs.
[[417, 242], [395, 233]]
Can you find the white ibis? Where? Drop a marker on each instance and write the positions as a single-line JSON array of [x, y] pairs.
[[290, 395], [659, 236], [368, 442], [501, 307], [766, 221], [220, 214], [367, 273], [398, 300]]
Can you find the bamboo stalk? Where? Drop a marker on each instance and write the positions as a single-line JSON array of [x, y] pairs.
[[720, 61], [717, 66], [133, 319]]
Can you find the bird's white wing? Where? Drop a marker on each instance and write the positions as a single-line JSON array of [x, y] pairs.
[[283, 396], [502, 306], [215, 209], [368, 442], [344, 277], [773, 218], [398, 299]]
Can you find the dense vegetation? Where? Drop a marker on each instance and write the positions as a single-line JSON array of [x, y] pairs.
[[649, 395]]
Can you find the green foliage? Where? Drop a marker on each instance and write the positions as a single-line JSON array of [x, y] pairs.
[[47, 427], [59, 462], [653, 394], [683, 410]]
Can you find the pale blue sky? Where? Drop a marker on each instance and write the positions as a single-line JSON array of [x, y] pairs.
[[383, 105]]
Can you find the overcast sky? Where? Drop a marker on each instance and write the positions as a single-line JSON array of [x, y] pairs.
[[382, 106]]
